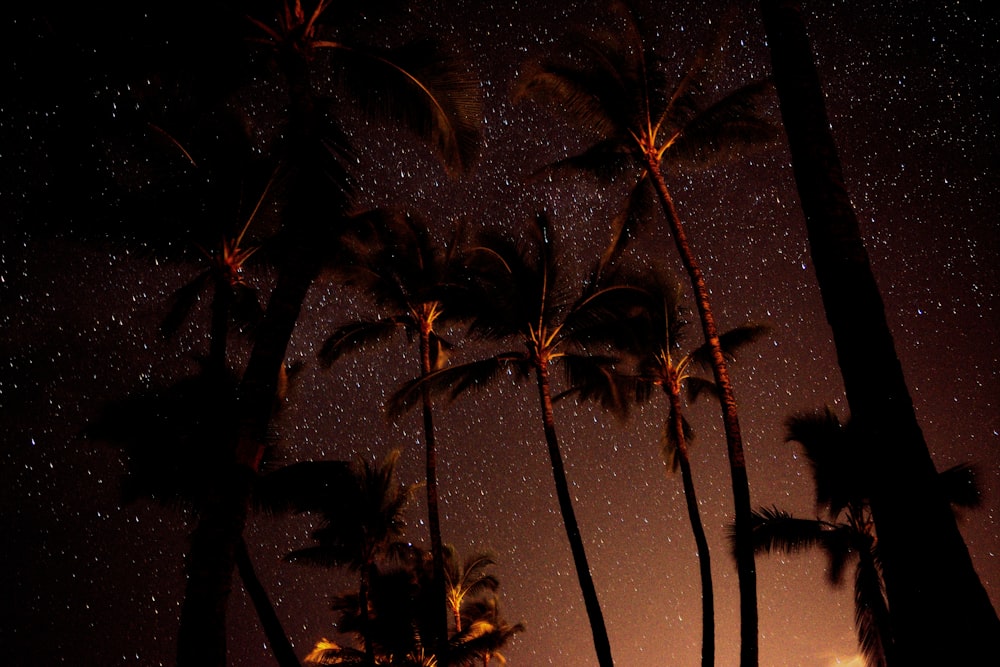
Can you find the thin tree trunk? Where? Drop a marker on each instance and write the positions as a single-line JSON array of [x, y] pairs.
[[746, 568], [438, 584], [601, 642], [701, 541], [940, 611], [269, 621], [201, 639]]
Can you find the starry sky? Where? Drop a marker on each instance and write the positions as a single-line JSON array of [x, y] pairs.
[[911, 95]]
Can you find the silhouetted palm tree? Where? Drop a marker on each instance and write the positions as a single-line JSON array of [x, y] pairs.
[[360, 530], [837, 454], [612, 85], [416, 85], [401, 268], [520, 297], [662, 363], [171, 441], [941, 612]]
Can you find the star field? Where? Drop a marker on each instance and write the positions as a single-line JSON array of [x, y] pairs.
[[910, 93]]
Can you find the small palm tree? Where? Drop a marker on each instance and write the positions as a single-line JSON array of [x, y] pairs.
[[837, 455], [467, 580], [613, 85], [360, 532], [517, 294], [486, 634]]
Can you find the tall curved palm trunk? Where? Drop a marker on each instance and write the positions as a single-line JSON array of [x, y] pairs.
[[602, 644], [746, 568], [676, 424], [440, 586], [940, 611]]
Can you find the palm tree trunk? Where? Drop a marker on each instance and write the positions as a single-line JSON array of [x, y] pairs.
[[269, 621], [439, 586], [701, 541], [746, 568], [364, 593], [940, 611], [601, 642], [201, 640]]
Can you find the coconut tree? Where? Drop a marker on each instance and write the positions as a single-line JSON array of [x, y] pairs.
[[405, 272], [661, 362], [486, 634], [170, 441], [519, 296], [836, 453], [941, 612], [467, 579], [418, 86], [612, 85], [360, 532]]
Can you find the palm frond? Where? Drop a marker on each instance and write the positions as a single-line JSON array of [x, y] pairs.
[[775, 530], [731, 342], [871, 614], [361, 334], [833, 451], [696, 387], [420, 86], [455, 380], [593, 378], [725, 129], [182, 301]]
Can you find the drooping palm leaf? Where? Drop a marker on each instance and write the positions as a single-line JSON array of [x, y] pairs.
[[362, 334], [777, 531], [871, 616], [455, 380]]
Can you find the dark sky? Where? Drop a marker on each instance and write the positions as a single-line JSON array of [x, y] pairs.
[[912, 99]]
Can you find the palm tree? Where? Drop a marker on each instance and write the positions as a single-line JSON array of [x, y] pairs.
[[170, 440], [837, 455], [519, 296], [416, 85], [487, 632], [360, 532], [467, 580], [613, 86], [402, 269], [661, 363], [941, 612]]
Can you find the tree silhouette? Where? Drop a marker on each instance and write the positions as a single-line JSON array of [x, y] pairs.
[[612, 85], [941, 613], [518, 296], [402, 269], [836, 453], [358, 530], [417, 86], [662, 364]]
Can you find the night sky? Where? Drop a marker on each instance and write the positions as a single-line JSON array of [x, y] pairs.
[[911, 95]]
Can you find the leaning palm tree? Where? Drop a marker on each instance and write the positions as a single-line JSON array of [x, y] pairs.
[[837, 455], [516, 293], [662, 363], [613, 85], [418, 86], [942, 613], [399, 265]]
